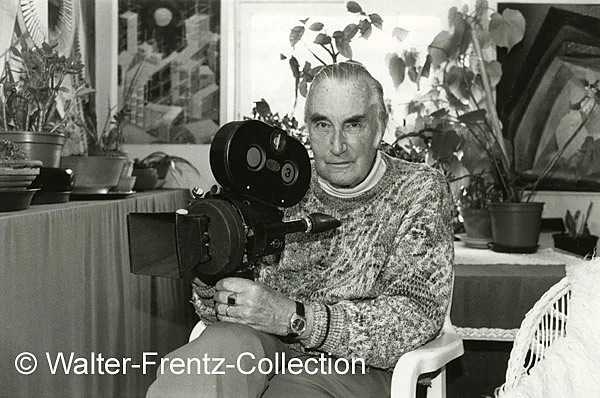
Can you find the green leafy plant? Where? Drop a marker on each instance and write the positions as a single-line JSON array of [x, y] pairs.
[[31, 84], [577, 226], [326, 48]]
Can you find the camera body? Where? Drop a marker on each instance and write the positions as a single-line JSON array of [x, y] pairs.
[[261, 170]]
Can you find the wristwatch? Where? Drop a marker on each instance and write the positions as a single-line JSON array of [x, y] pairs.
[[297, 321]]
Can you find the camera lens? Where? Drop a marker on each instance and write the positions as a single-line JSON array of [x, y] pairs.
[[255, 158]]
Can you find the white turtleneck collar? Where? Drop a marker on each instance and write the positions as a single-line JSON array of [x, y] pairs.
[[377, 171]]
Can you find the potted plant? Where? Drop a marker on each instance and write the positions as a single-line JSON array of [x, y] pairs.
[[462, 99], [30, 112], [97, 157], [153, 171], [473, 204], [577, 238]]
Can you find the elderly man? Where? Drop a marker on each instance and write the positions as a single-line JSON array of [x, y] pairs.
[[373, 289]]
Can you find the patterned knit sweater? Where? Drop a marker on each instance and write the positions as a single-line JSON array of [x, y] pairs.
[[385, 274]]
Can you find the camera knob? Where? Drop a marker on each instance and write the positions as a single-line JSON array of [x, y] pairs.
[[197, 193]]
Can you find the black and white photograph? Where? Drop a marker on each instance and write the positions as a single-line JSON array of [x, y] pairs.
[[288, 199]]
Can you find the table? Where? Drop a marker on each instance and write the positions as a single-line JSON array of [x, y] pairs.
[[66, 287], [492, 293]]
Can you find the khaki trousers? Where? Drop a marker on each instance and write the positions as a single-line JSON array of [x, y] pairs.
[[190, 371]]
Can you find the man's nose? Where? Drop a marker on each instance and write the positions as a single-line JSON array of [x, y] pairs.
[[338, 143]]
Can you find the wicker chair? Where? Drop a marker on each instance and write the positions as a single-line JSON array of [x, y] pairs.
[[543, 324]]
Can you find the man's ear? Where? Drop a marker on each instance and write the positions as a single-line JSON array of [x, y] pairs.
[[381, 123]]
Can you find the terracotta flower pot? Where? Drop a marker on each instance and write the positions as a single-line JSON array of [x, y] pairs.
[[516, 226], [38, 146]]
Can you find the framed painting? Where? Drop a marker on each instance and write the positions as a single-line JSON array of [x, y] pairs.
[[168, 75]]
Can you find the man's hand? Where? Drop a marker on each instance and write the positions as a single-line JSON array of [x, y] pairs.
[[256, 305]]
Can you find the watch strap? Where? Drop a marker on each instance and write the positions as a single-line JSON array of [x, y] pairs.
[[300, 310]]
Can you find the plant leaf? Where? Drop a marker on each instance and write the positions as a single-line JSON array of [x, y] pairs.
[[295, 67], [438, 49], [376, 20], [507, 29], [445, 144], [413, 75], [397, 69], [350, 31], [322, 38], [306, 69], [494, 71], [399, 33], [342, 45], [473, 117], [282, 57], [453, 16], [303, 88], [15, 51], [426, 66], [459, 81], [316, 26], [263, 108], [353, 7], [365, 28], [296, 34], [410, 57]]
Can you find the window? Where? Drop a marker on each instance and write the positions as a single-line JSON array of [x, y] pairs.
[[264, 34]]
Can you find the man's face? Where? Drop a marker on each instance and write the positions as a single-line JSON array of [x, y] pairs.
[[344, 131]]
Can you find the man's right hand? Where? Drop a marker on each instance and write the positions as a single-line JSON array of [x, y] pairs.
[[203, 301]]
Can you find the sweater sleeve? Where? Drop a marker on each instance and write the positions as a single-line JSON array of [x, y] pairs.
[[414, 286]]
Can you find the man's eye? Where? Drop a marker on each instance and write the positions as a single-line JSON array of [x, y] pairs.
[[322, 125], [352, 126]]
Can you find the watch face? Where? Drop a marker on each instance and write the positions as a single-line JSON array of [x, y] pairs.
[[298, 324]]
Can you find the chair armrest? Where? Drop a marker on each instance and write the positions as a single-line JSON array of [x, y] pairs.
[[428, 358]]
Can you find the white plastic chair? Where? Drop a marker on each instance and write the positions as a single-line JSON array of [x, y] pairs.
[[431, 357], [543, 324]]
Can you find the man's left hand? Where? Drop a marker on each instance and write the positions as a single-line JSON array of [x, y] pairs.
[[256, 305]]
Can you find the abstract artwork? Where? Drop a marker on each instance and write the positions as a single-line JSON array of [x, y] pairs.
[[546, 97], [168, 70]]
